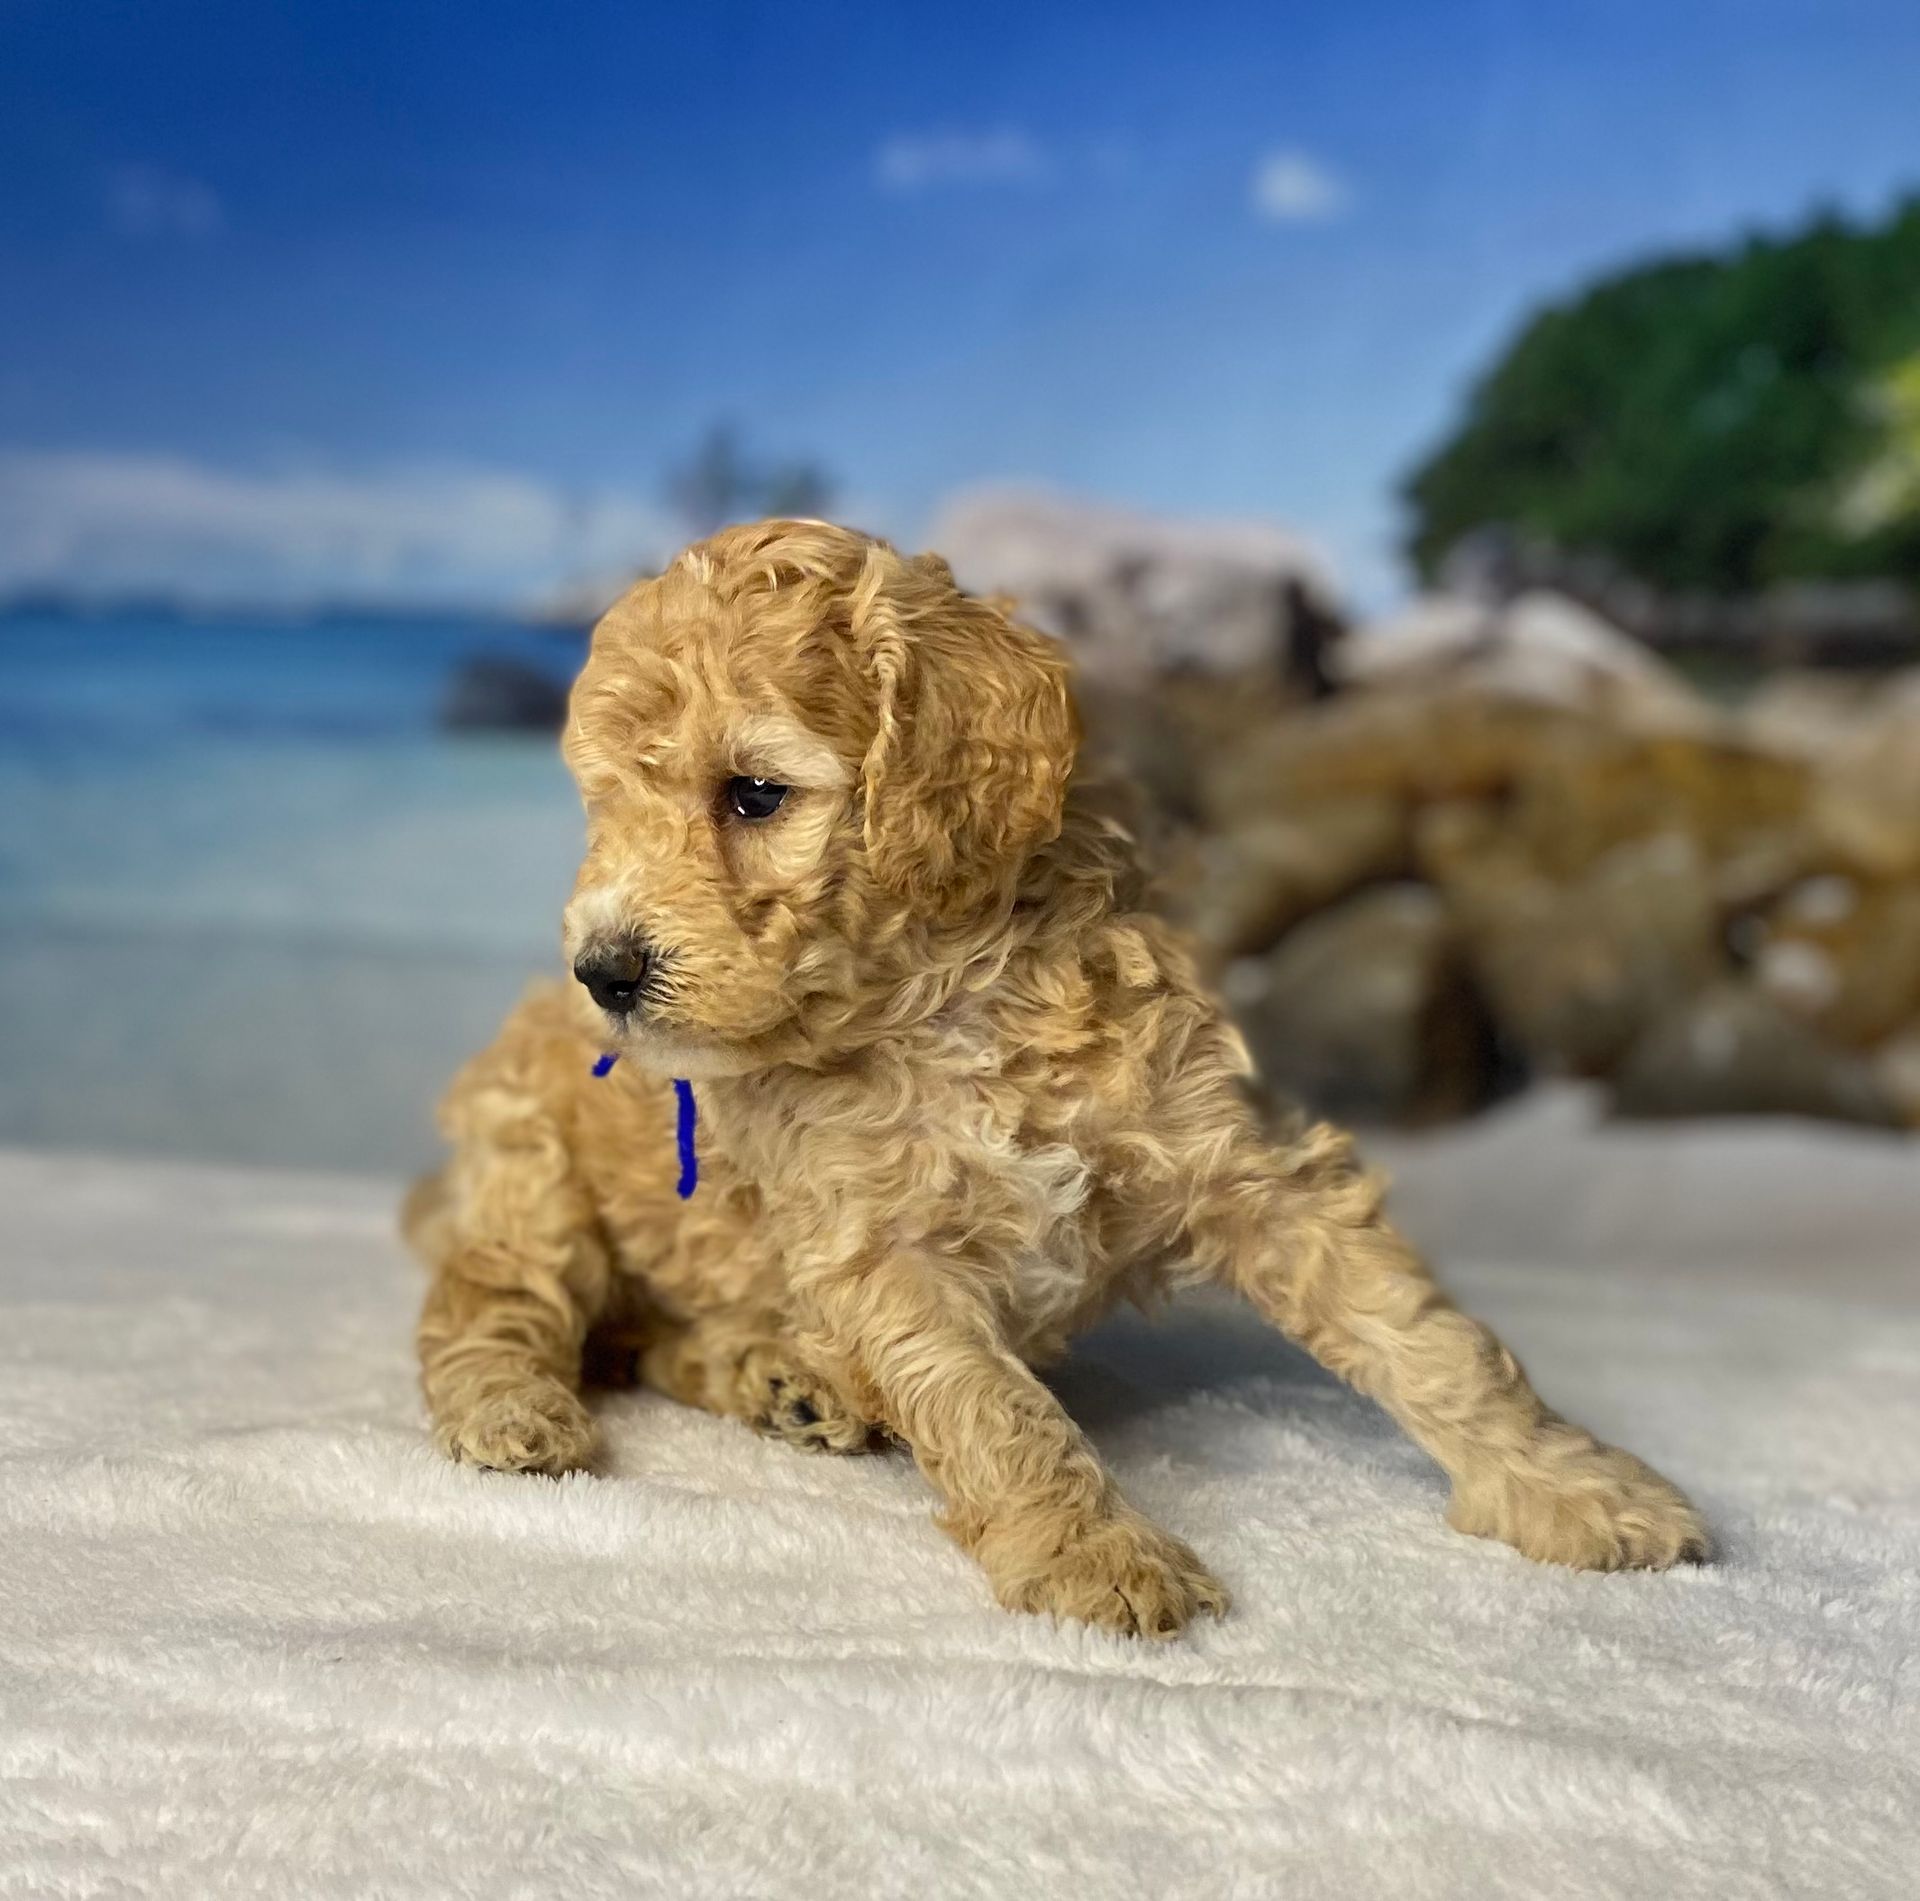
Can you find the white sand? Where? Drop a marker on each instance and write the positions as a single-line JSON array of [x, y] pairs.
[[256, 1639]]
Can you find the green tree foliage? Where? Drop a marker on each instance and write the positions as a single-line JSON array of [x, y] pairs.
[[1706, 422]]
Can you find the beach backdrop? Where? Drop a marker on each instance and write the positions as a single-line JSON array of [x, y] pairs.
[[1335, 381]]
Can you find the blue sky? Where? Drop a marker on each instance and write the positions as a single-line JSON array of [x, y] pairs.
[[422, 298]]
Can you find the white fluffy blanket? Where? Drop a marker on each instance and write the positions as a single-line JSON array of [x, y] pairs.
[[256, 1639]]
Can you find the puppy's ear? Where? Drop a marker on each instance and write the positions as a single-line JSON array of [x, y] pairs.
[[974, 741]]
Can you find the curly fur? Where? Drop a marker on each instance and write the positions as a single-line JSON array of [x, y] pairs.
[[959, 1091]]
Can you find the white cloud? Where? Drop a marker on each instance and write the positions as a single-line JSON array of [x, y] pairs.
[[1293, 188], [145, 202], [922, 161], [109, 522]]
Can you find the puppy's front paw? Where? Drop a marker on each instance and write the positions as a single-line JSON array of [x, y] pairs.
[[1118, 1572], [537, 1425], [1582, 1504]]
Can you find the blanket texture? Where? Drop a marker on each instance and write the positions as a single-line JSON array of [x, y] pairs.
[[256, 1638]]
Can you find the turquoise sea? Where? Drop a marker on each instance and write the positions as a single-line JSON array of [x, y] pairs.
[[254, 904]]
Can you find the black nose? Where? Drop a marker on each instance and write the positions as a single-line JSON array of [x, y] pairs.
[[615, 978]]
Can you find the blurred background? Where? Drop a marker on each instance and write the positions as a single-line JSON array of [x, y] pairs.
[[1474, 450]]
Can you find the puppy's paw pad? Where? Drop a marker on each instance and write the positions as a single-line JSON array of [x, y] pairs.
[[806, 1412], [1592, 1507], [1120, 1574], [539, 1426]]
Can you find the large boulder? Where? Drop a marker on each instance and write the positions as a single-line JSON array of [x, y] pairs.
[[494, 693], [1540, 647], [1240, 891], [1586, 792], [1733, 1050], [1806, 713], [1576, 968], [1568, 786], [1366, 1013], [1867, 798], [1896, 1068], [1413, 747], [1844, 953], [1136, 596], [1163, 739]]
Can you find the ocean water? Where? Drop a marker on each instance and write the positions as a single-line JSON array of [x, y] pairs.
[[254, 904], [81, 678]]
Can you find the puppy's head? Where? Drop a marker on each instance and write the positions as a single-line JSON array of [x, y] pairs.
[[812, 770]]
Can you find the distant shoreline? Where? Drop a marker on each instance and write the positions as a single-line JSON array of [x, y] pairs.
[[169, 610]]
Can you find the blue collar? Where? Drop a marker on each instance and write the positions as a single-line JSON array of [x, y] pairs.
[[684, 1120]]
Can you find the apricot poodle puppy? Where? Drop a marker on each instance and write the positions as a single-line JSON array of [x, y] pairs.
[[957, 1094]]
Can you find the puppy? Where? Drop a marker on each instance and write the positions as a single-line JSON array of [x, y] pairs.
[[957, 1094]]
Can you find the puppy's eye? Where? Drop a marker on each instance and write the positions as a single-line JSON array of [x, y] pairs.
[[754, 799]]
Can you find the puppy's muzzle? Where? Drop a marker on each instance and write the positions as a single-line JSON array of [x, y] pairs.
[[616, 975]]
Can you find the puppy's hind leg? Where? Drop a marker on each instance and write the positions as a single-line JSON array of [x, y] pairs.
[[1299, 1232], [742, 1364], [519, 1274]]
